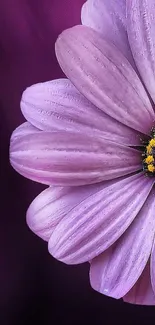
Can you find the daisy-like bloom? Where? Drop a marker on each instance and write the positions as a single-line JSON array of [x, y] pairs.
[[91, 138]]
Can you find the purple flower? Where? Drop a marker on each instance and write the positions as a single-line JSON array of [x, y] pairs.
[[85, 135]]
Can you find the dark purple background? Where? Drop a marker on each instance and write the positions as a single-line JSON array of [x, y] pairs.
[[33, 286]]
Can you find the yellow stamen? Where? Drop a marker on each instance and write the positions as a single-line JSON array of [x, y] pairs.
[[149, 149], [152, 143], [149, 155], [150, 146], [149, 159], [151, 168]]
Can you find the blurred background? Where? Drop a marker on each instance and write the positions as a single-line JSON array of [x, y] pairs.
[[34, 287]]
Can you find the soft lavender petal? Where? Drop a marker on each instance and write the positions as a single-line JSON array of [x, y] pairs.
[[58, 105], [142, 292], [25, 129], [115, 272], [153, 267], [67, 158], [101, 73], [108, 17], [96, 223], [50, 206], [141, 33]]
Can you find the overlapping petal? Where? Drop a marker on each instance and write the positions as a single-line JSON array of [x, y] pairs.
[[103, 75], [142, 292], [108, 17], [25, 129], [115, 272], [141, 33], [96, 223], [68, 158], [153, 267], [53, 204], [58, 105]]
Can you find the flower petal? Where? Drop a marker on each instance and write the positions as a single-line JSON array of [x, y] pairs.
[[115, 272], [108, 17], [25, 129], [58, 105], [99, 221], [67, 158], [141, 33], [142, 292], [50, 206], [153, 267], [103, 75]]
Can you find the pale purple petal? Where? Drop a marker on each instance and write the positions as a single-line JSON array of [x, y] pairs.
[[96, 223], [58, 105], [50, 206], [142, 292], [25, 129], [67, 158], [153, 267], [115, 272], [101, 73], [141, 33], [108, 17]]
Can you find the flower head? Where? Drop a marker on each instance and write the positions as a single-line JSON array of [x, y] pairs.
[[92, 137]]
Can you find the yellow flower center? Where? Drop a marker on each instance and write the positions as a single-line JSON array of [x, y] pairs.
[[149, 160]]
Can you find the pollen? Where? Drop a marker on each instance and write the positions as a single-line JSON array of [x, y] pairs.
[[149, 160], [151, 168], [152, 143], [149, 156], [149, 149]]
